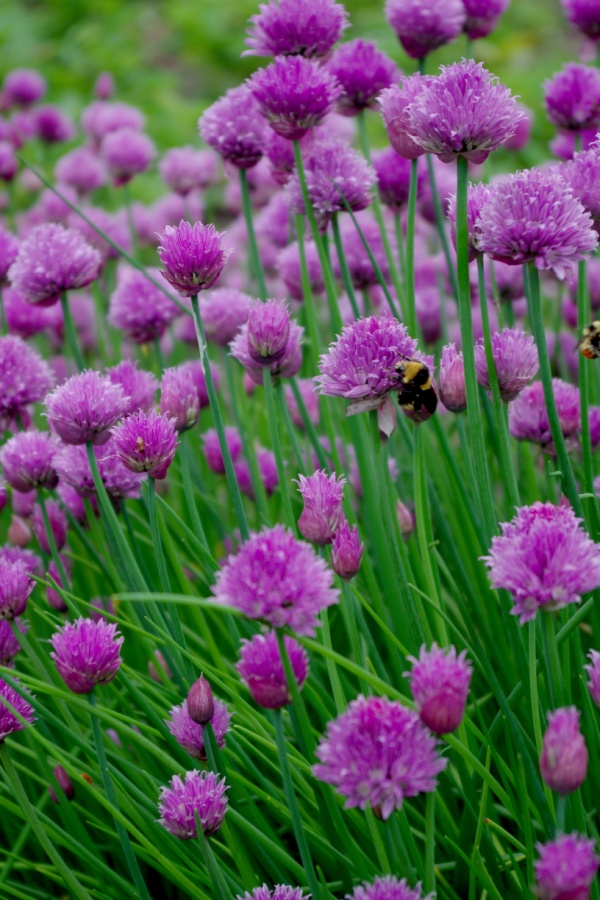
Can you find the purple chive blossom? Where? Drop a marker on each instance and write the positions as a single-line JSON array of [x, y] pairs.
[[104, 87], [31, 561], [234, 128], [478, 195], [515, 358], [582, 173], [532, 216], [201, 796], [279, 892], [8, 162], [439, 683], [334, 173], [593, 671], [393, 178], [544, 559], [224, 311], [465, 111], [280, 154], [146, 442], [184, 168], [346, 551], [261, 669], [528, 417], [9, 643], [363, 72], [201, 703], [359, 365], [16, 584], [9, 250], [585, 16], [421, 28], [482, 16], [307, 28], [138, 386], [294, 94], [564, 759], [114, 225], [311, 402], [212, 448], [100, 118], [323, 513], [394, 102], [521, 137], [179, 399], [58, 525], [267, 469], [139, 309], [268, 330], [126, 152], [287, 366], [188, 733], [53, 259], [388, 888], [378, 753], [22, 87], [85, 407], [192, 256], [26, 320], [451, 380], [360, 268], [24, 378], [86, 653], [52, 125], [566, 868], [81, 169], [73, 468], [290, 270], [275, 577], [572, 98], [28, 461], [9, 720]]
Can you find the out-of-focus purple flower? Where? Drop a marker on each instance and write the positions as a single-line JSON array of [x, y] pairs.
[[223, 312], [8, 162], [482, 16], [139, 309], [234, 128], [146, 442], [72, 502], [544, 559], [388, 888], [30, 560], [20, 128], [16, 584], [566, 868], [267, 470], [532, 216], [334, 173], [528, 417], [346, 551], [287, 366], [53, 259], [86, 653], [188, 733], [179, 399], [515, 358], [280, 153], [439, 683], [184, 168], [394, 102], [9, 720], [104, 87], [378, 753], [192, 256], [275, 577], [52, 208], [138, 386], [85, 407], [58, 525], [73, 468], [212, 448], [200, 797], [582, 173], [28, 460], [102, 117], [22, 87], [583, 15], [422, 28], [81, 169], [477, 196], [114, 225], [290, 269], [52, 125], [564, 759], [363, 72], [360, 268], [294, 94], [393, 178], [307, 28], [520, 138], [127, 152], [405, 518], [572, 98], [566, 143], [268, 330], [593, 671], [323, 513], [64, 782], [311, 401], [451, 380], [194, 367], [9, 643], [24, 378], [9, 249], [261, 669], [279, 892]]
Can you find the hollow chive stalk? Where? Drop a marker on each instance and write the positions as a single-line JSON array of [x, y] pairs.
[[409, 255], [339, 249], [425, 531], [255, 260], [440, 223], [583, 318], [212, 867], [430, 841], [213, 400], [51, 539], [71, 333], [186, 477], [276, 445]]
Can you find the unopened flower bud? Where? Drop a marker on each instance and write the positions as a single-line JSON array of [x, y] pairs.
[[200, 703], [64, 782], [346, 551], [564, 758], [451, 380], [406, 520], [439, 683], [19, 532]]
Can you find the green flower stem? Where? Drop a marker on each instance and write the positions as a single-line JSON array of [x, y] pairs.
[[349, 609], [507, 468], [409, 266], [339, 249], [2, 315], [400, 247], [276, 445], [308, 425], [583, 318], [334, 676], [425, 531], [552, 660], [440, 222], [234, 489], [51, 540], [111, 796], [221, 891], [36, 826], [476, 434], [430, 841], [71, 333], [306, 738], [380, 852], [290, 796], [257, 268], [309, 306], [533, 688], [184, 463], [569, 485], [284, 414]]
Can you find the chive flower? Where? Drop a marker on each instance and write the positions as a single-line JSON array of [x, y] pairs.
[[306, 28], [564, 759], [200, 795], [86, 653], [261, 669], [192, 256], [566, 868], [146, 442]]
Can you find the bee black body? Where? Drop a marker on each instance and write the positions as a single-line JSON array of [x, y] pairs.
[[415, 387], [590, 341]]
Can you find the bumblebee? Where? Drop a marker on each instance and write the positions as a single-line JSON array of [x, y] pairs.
[[415, 387], [590, 341]]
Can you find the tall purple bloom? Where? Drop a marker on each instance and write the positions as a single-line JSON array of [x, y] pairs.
[[286, 366], [102, 117], [25, 378], [192, 256], [346, 551], [566, 868], [146, 442], [138, 385], [28, 460], [200, 796], [564, 759], [16, 584], [515, 360], [585, 16], [86, 653], [184, 168], [394, 103], [378, 753], [277, 578], [22, 87], [451, 380], [528, 416], [572, 98], [393, 178], [482, 16], [9, 722], [268, 330], [188, 733], [127, 152], [85, 407], [582, 173], [73, 467], [179, 399], [544, 559], [261, 669], [363, 72], [52, 125], [224, 311], [388, 887], [139, 308], [323, 512], [296, 28], [234, 128], [53, 259], [294, 94], [81, 169], [477, 196], [421, 27], [439, 683]]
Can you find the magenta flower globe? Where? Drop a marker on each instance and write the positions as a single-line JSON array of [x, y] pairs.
[[585, 16], [389, 888], [127, 152], [393, 178], [188, 733], [234, 128], [528, 416], [423, 27], [286, 366], [307, 28], [81, 169], [138, 385], [212, 448], [515, 360], [279, 579], [16, 584], [451, 380], [28, 461], [439, 682], [261, 669], [140, 309], [572, 98], [564, 759], [72, 465], [179, 400], [268, 330], [363, 72], [86, 653], [346, 551], [477, 197], [223, 312], [482, 16], [192, 256], [146, 442], [200, 795], [378, 753], [85, 407], [11, 699], [22, 87], [566, 868], [323, 512]]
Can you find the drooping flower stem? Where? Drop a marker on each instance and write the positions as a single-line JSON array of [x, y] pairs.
[[111, 796], [339, 249], [234, 489], [409, 264], [569, 486], [583, 318], [70, 333], [430, 841], [37, 828], [255, 260], [466, 332], [440, 221], [276, 445], [51, 540]]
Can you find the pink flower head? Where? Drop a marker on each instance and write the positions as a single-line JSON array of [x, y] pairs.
[[566, 868], [582, 173], [521, 137], [363, 72], [52, 125], [200, 796], [127, 152], [378, 753], [421, 28], [179, 399], [279, 892], [24, 377], [393, 178], [104, 87], [234, 128], [262, 671], [86, 653], [23, 87], [584, 15], [58, 525], [286, 366], [224, 311], [544, 559], [11, 699], [360, 267], [73, 468], [103, 117], [16, 584], [346, 551], [307, 28], [139, 308], [572, 98], [146, 442], [482, 16], [268, 330], [323, 512], [9, 643], [451, 380], [478, 195], [515, 359], [528, 416], [53, 259], [388, 888], [212, 448], [394, 103], [184, 168], [85, 407], [196, 370], [564, 758], [192, 256], [439, 683], [275, 577], [593, 671], [188, 733], [28, 460], [81, 169], [294, 94], [138, 386], [8, 161], [290, 269]]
